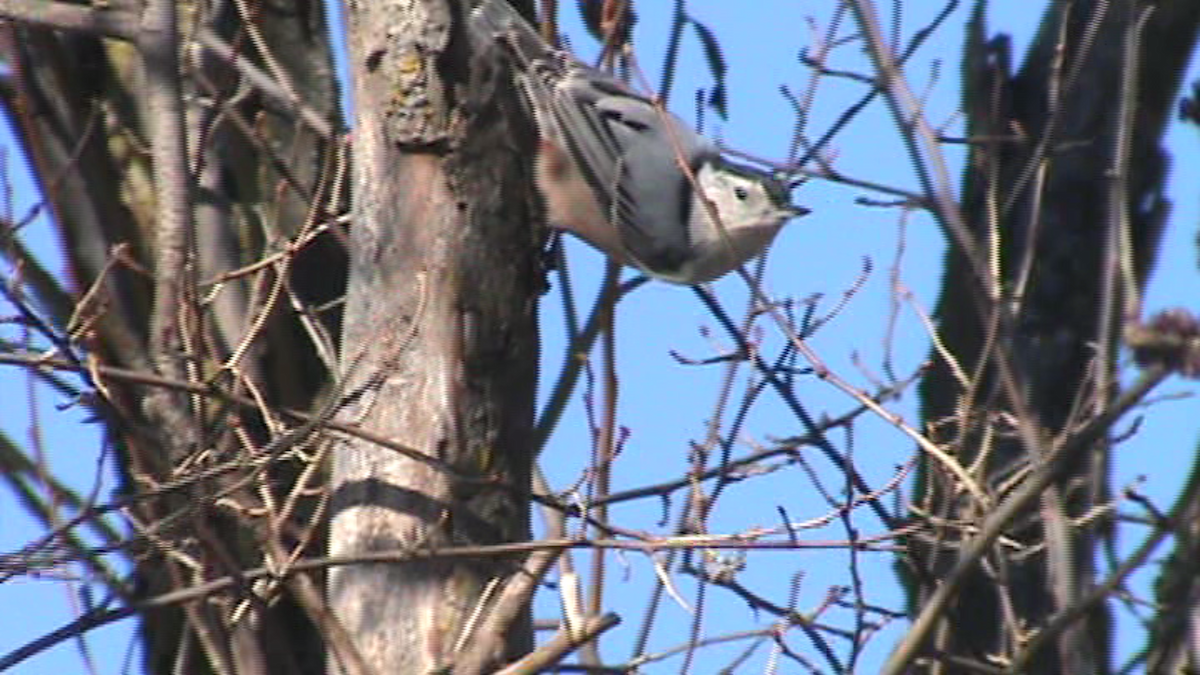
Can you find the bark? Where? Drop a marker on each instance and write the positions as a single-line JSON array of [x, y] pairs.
[[439, 348], [1045, 188]]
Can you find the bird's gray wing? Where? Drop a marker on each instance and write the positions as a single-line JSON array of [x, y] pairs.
[[626, 149], [597, 141], [613, 136]]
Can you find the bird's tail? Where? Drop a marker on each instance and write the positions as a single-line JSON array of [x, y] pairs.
[[496, 20]]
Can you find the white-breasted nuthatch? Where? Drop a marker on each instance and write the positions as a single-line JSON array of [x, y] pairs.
[[610, 166]]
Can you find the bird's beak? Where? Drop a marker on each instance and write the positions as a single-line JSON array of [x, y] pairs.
[[793, 211]]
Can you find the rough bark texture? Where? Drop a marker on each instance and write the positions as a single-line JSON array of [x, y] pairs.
[[1040, 178], [439, 346]]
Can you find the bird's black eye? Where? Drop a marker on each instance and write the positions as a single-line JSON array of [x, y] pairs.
[[740, 193]]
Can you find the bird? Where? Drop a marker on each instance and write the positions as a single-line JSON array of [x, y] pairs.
[[626, 176]]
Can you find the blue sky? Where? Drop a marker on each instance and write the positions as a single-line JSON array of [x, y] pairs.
[[664, 404]]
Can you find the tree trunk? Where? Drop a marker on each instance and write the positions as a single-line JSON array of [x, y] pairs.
[[1045, 190], [256, 175], [439, 348]]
